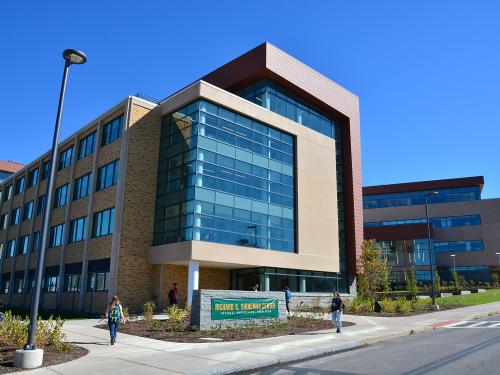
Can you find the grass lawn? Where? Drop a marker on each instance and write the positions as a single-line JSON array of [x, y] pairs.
[[491, 295]]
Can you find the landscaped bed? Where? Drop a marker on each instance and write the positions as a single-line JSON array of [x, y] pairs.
[[50, 357], [168, 331], [49, 336]]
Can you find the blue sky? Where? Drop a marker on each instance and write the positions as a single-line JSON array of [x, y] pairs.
[[427, 72]]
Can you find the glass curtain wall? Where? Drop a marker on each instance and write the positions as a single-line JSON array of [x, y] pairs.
[[224, 178], [403, 254], [275, 98], [418, 197]]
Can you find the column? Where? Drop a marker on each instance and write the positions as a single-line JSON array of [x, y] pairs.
[[302, 284], [266, 282], [193, 278]]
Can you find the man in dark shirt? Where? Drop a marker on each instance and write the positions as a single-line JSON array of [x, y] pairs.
[[337, 310], [172, 295]]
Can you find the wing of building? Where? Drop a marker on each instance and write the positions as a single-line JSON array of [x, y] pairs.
[[250, 175], [464, 229]]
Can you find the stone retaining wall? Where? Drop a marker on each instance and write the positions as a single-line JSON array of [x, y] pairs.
[[201, 309]]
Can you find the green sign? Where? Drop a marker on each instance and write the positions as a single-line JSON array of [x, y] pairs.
[[244, 308]]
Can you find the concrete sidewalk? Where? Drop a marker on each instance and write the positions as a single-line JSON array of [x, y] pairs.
[[137, 355]]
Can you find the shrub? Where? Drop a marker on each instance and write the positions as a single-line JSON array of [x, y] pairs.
[[356, 305], [403, 306], [437, 282], [421, 304], [14, 332], [411, 283], [176, 317], [495, 279], [148, 309], [387, 305]]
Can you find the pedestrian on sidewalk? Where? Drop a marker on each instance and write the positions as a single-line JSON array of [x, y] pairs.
[[114, 314], [288, 296], [337, 310], [172, 295]]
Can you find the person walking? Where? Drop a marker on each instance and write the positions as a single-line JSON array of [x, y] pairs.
[[114, 314], [337, 310], [172, 295], [288, 296]]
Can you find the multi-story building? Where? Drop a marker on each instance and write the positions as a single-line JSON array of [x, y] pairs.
[[8, 168], [465, 229], [251, 175]]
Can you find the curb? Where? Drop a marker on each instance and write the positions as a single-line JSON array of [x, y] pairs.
[[328, 349], [281, 359]]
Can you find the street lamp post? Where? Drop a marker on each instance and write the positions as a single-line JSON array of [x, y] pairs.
[[70, 56], [431, 265], [453, 257], [498, 255]]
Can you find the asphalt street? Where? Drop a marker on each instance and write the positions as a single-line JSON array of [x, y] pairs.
[[471, 348]]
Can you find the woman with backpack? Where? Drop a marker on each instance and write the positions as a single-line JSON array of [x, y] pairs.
[[337, 310], [114, 314]]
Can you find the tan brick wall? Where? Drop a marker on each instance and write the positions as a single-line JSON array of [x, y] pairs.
[[209, 278], [175, 274], [99, 302], [215, 278], [135, 274], [100, 248]]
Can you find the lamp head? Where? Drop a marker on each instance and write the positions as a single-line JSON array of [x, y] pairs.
[[433, 194], [72, 56]]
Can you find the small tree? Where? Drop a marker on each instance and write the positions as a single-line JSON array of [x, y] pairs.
[[411, 283], [494, 279], [374, 272], [456, 282], [437, 282]]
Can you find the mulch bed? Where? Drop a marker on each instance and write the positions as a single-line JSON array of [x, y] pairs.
[[292, 327], [385, 314], [50, 357]]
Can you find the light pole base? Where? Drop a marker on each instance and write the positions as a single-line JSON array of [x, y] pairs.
[[434, 307], [28, 358]]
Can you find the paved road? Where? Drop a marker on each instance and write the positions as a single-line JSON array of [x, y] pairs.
[[469, 348]]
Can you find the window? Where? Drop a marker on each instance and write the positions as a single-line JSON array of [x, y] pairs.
[[28, 210], [5, 283], [82, 187], [23, 245], [72, 282], [3, 221], [18, 282], [7, 193], [459, 246], [40, 207], [77, 230], [98, 281], [36, 242], [56, 235], [51, 283], [33, 177], [437, 222], [61, 196], [46, 170], [1, 250], [11, 249], [15, 216], [86, 146], [65, 158], [112, 131], [19, 186], [98, 274], [418, 197], [107, 175], [103, 223]]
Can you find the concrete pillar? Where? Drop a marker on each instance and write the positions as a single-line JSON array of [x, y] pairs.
[[193, 278], [303, 284], [267, 283]]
